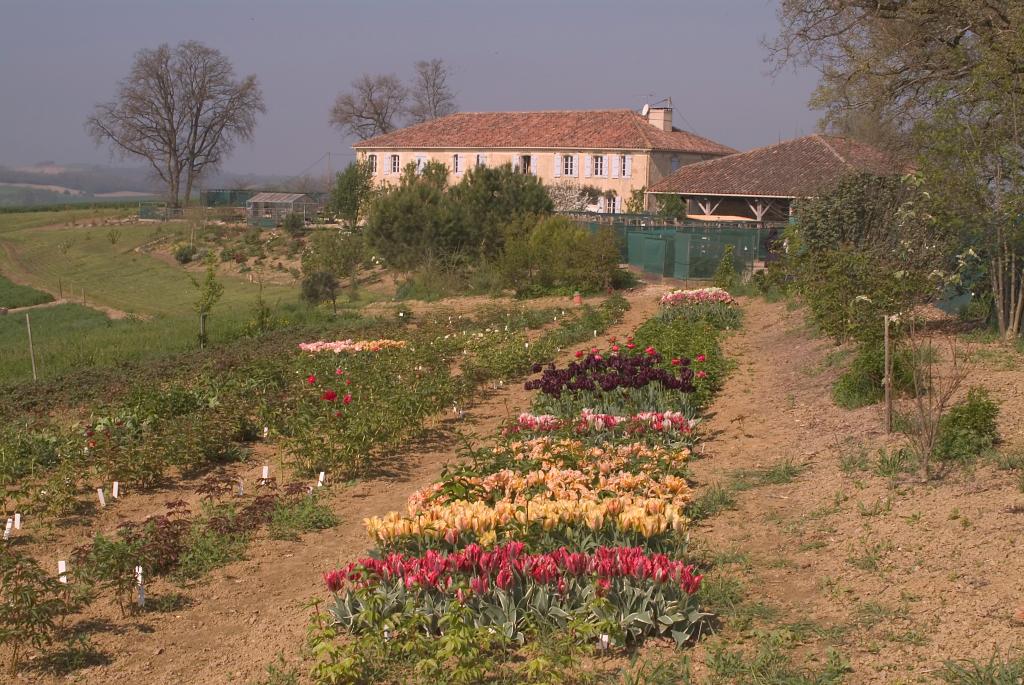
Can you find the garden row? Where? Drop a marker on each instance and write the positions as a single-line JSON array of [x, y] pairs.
[[336, 408], [565, 535]]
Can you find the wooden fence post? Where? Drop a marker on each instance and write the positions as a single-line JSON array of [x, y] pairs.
[[31, 351]]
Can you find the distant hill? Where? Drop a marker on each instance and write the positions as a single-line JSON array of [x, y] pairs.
[[50, 182]]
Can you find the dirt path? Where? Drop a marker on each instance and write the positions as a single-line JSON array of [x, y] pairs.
[[243, 615], [898, 576]]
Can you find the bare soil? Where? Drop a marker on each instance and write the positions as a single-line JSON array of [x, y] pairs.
[[896, 575]]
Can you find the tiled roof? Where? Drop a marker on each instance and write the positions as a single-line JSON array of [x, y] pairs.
[[794, 168], [617, 129]]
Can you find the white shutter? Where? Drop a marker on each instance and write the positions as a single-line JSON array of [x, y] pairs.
[[586, 166], [558, 166], [600, 204], [615, 166], [576, 165], [618, 204], [628, 171], [535, 164], [387, 165]]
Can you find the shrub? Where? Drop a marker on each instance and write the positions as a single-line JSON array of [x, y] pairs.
[[184, 254], [32, 603], [725, 274], [968, 428], [861, 384], [320, 286], [294, 225], [559, 255]]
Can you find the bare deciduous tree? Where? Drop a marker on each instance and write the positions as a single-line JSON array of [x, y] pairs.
[[430, 93], [182, 110], [371, 107]]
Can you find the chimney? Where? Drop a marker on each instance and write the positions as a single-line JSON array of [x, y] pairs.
[[660, 117]]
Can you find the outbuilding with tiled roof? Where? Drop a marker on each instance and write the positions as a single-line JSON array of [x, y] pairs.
[[760, 185]]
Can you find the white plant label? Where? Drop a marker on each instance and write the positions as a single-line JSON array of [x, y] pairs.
[[142, 589], [117, 489], [241, 487], [266, 473], [320, 480], [62, 571], [266, 431], [103, 500], [17, 522], [7, 529], [603, 641]]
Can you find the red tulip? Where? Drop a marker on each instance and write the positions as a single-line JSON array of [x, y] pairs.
[[615, 348], [338, 372], [347, 399], [650, 349], [702, 374], [329, 396], [676, 362], [701, 358], [311, 379], [334, 580]]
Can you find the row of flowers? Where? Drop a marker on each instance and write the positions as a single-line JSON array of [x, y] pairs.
[[589, 420], [339, 346], [595, 371], [558, 521], [697, 296]]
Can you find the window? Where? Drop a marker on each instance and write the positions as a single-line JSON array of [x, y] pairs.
[[524, 165], [623, 167], [371, 161], [457, 163], [598, 165], [675, 164], [396, 164], [568, 165], [481, 160], [421, 162]]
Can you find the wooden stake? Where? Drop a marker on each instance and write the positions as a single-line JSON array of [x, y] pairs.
[[887, 378], [31, 351]]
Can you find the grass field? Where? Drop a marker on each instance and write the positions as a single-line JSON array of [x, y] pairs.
[[44, 249], [13, 295], [115, 275]]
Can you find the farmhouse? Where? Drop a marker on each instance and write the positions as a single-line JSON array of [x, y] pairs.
[[616, 151], [760, 185]]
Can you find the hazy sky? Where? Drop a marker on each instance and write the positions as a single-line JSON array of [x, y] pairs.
[[59, 57]]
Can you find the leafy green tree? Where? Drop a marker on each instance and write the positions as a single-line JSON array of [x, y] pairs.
[[949, 73], [210, 290], [671, 206], [637, 202], [320, 286], [335, 252], [32, 605], [353, 192], [488, 199]]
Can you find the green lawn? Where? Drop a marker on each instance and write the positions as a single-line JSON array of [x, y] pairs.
[[13, 295], [37, 249], [80, 258]]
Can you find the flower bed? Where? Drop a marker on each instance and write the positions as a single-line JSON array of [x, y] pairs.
[[697, 296], [591, 421], [339, 346], [639, 593], [579, 526]]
